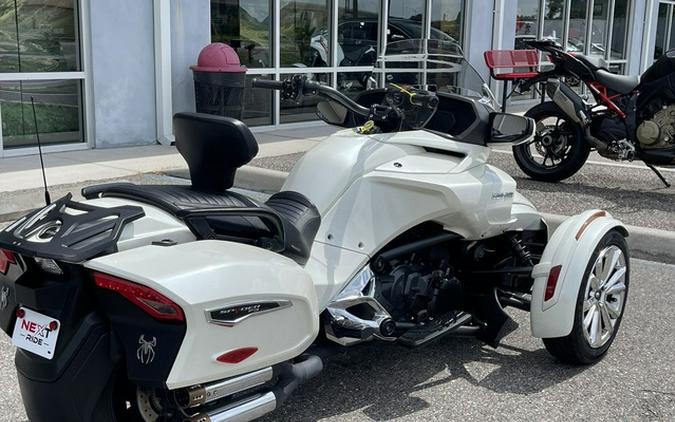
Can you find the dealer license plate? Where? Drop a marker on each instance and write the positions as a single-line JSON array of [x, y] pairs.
[[36, 333]]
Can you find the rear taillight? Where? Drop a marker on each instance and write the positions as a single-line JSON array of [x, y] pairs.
[[6, 259], [153, 303], [552, 282]]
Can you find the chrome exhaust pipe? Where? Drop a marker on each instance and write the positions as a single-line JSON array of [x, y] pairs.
[[198, 395], [242, 411], [290, 375]]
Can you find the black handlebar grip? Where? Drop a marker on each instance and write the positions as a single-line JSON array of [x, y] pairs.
[[266, 84]]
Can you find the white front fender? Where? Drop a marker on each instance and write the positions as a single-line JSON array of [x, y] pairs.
[[571, 248]]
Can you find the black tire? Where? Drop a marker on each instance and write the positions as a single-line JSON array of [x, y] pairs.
[[574, 158], [574, 348], [112, 405]]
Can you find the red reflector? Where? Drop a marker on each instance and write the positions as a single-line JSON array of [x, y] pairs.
[[237, 355], [6, 258], [153, 303], [20, 313], [552, 282]]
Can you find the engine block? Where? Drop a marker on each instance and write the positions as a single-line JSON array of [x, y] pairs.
[[659, 131]]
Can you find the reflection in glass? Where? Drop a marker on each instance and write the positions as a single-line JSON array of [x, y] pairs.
[[599, 28], [305, 33], [527, 22], [553, 20], [352, 83], [257, 103], [576, 38], [447, 17], [58, 106], [405, 20], [46, 40], [306, 109], [357, 32], [620, 29], [246, 26], [661, 28]]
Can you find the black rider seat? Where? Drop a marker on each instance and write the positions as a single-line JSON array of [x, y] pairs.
[[618, 83], [247, 221], [214, 147]]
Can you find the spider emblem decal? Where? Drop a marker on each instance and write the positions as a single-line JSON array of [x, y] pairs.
[[146, 351]]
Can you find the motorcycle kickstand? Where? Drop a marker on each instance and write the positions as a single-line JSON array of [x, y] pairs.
[[658, 173]]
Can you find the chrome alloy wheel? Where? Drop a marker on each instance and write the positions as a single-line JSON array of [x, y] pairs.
[[605, 296]]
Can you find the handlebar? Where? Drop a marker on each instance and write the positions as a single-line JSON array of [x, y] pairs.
[[296, 87], [267, 84]]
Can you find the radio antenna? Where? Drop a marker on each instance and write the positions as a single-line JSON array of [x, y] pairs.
[[48, 199]]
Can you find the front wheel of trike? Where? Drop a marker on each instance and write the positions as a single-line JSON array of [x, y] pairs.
[[600, 304]]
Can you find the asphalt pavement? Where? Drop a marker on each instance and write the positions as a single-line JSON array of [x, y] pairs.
[[463, 379]]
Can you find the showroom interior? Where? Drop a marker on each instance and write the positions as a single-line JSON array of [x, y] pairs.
[[97, 83]]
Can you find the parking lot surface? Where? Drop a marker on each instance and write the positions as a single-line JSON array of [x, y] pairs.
[[463, 379]]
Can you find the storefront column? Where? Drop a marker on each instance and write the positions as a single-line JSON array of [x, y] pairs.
[[163, 100]]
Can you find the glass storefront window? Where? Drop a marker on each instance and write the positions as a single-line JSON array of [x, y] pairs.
[[447, 20], [352, 83], [527, 22], [620, 29], [304, 33], [57, 107], [576, 33], [46, 40], [553, 20], [406, 18], [306, 110], [661, 25], [358, 23], [257, 103], [245, 26], [599, 27]]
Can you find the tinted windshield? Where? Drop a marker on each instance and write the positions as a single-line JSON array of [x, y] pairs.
[[431, 63]]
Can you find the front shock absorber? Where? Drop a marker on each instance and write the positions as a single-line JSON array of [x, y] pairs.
[[521, 250]]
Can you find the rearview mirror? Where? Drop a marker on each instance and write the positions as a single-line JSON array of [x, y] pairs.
[[332, 113], [510, 128]]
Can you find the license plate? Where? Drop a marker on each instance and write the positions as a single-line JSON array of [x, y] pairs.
[[36, 333]]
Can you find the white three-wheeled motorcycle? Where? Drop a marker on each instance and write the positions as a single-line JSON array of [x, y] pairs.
[[171, 303]]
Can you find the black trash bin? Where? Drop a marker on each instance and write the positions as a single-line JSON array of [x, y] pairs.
[[219, 81]]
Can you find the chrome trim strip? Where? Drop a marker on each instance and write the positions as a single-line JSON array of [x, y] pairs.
[[282, 304]]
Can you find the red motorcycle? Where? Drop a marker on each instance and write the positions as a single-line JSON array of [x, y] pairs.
[[632, 118]]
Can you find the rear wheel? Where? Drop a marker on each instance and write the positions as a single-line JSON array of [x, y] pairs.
[[558, 149], [122, 401], [600, 304]]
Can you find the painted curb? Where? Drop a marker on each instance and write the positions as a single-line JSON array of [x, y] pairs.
[[644, 243]]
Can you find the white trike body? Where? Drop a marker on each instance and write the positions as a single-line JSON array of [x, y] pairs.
[[368, 189]]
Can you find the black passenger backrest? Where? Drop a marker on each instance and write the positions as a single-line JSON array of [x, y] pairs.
[[214, 148]]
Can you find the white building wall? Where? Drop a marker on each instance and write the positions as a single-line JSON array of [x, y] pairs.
[[190, 32], [123, 73]]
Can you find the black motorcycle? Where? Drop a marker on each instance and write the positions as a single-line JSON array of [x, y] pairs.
[[633, 117]]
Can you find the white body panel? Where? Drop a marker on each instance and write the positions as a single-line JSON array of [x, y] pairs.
[[378, 186], [210, 274], [155, 226], [555, 317]]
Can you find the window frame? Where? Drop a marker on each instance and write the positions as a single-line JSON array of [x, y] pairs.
[[83, 75], [333, 69]]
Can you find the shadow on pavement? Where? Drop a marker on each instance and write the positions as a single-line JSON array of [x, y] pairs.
[[382, 380]]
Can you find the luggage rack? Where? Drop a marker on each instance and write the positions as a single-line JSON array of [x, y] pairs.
[[69, 231]]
